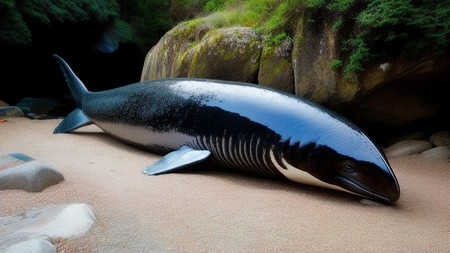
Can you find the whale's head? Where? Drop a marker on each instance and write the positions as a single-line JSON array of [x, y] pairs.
[[375, 181], [371, 178], [353, 164]]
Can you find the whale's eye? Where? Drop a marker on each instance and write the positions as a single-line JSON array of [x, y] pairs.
[[349, 166]]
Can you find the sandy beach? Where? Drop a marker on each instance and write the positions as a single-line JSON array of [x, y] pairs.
[[216, 211]]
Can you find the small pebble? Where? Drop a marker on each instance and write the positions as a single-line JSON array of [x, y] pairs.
[[441, 138], [442, 152], [407, 147]]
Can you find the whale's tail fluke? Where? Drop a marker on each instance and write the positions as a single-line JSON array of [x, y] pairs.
[[76, 86], [77, 118]]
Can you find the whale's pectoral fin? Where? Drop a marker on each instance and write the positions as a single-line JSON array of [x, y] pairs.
[[176, 160], [72, 121]]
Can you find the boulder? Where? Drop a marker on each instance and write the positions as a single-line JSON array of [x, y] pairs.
[[227, 54], [18, 171], [275, 68], [166, 58], [191, 50], [393, 92]]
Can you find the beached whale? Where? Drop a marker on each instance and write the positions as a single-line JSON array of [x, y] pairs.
[[238, 126]]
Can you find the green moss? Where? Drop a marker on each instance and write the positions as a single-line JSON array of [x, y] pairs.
[[274, 40], [336, 64], [367, 30], [186, 29]]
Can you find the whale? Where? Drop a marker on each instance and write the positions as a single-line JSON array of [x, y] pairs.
[[238, 126]]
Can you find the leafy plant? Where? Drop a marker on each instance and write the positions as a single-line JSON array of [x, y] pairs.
[[368, 30], [17, 17], [277, 39]]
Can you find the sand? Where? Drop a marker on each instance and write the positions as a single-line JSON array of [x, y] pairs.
[[213, 211]]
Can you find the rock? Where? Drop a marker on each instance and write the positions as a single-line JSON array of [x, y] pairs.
[[314, 49], [11, 111], [406, 147], [42, 108], [227, 54], [37, 245], [194, 50], [3, 104], [33, 228], [397, 104], [441, 138], [441, 152], [275, 68], [395, 92], [169, 58], [18, 171], [409, 136], [65, 221], [36, 105]]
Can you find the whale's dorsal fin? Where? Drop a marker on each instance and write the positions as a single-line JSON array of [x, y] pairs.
[[74, 120], [176, 160]]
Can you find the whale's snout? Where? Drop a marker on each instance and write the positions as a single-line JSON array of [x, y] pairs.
[[388, 194], [377, 182]]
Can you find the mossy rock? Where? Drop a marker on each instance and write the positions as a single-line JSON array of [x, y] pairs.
[[227, 54], [275, 69], [165, 58]]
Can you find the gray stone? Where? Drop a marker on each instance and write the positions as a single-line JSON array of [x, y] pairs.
[[407, 147], [18, 171], [32, 246], [441, 152], [441, 138], [390, 92], [33, 229], [410, 136], [3, 104], [41, 108], [11, 111]]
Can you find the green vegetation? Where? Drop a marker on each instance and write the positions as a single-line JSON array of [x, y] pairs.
[[16, 17], [389, 27], [140, 21], [368, 29], [365, 29]]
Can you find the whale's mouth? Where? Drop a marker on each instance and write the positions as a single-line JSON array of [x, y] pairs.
[[363, 191]]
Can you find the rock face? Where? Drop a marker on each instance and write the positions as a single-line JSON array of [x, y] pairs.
[[227, 54], [275, 68], [397, 91]]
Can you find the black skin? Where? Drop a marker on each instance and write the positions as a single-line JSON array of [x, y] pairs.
[[322, 161], [208, 114]]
